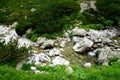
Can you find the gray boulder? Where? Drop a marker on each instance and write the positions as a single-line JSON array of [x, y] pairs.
[[78, 32], [48, 44], [83, 46]]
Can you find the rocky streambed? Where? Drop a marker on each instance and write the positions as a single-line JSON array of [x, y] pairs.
[[84, 48]]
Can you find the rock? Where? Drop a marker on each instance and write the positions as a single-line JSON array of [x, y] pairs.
[[59, 61], [69, 70], [54, 52], [33, 10], [14, 24], [19, 65], [25, 42], [3, 29], [66, 34], [76, 39], [105, 63], [29, 31], [87, 65], [92, 54], [48, 44], [33, 68], [37, 72], [40, 40], [78, 32], [87, 5], [83, 46], [105, 54], [38, 58], [63, 44]]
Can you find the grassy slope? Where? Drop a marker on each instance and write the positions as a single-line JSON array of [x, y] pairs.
[[57, 73]]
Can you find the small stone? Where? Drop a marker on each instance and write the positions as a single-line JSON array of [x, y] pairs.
[[33, 68], [37, 72], [33, 9], [87, 65], [69, 70], [91, 54], [60, 61], [105, 63]]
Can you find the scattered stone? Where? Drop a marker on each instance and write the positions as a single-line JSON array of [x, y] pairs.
[[87, 65], [69, 70], [59, 61]]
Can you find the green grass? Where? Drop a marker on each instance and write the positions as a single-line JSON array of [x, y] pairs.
[[111, 72]]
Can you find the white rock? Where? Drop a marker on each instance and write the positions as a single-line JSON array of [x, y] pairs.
[[33, 68], [76, 39], [60, 61], [41, 40], [48, 44], [38, 58], [83, 46], [14, 25], [33, 10], [87, 65], [105, 63], [63, 44], [3, 29], [37, 72], [79, 32], [66, 35], [91, 54], [54, 52], [87, 5], [25, 42], [69, 70]]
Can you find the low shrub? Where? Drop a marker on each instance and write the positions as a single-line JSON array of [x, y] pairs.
[[110, 9], [49, 19], [11, 54], [93, 26]]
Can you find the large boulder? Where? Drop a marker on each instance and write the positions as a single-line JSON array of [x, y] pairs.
[[25, 42], [83, 46], [48, 44], [78, 32], [59, 61], [41, 40], [104, 54]]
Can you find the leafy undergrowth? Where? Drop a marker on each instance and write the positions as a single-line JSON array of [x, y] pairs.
[[111, 72]]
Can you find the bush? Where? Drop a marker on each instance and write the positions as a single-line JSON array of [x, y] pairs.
[[10, 53], [51, 18], [109, 9], [93, 26]]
